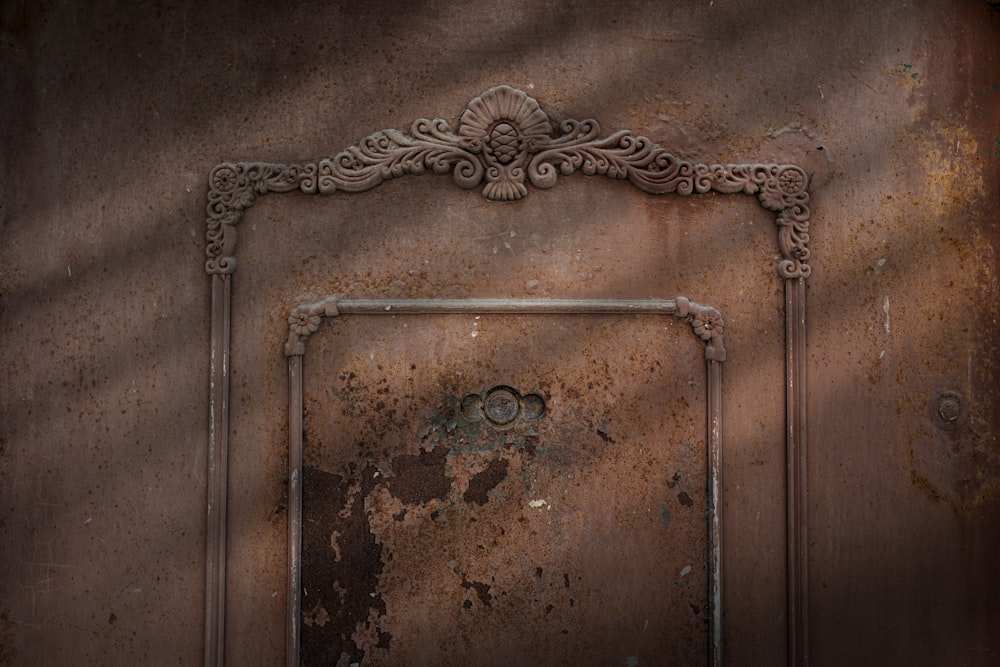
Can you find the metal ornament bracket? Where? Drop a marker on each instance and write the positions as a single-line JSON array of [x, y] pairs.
[[504, 141]]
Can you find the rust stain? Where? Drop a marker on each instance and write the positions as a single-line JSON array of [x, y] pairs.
[[480, 522], [420, 478], [482, 592], [483, 482]]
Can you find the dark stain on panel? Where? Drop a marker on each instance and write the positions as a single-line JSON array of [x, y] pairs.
[[340, 583], [482, 591], [482, 483], [419, 478]]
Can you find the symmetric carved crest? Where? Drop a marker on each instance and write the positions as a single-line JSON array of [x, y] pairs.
[[505, 127], [505, 139]]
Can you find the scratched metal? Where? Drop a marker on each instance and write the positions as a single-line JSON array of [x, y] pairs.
[[575, 538]]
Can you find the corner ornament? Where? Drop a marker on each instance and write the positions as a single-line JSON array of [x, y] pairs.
[[505, 140]]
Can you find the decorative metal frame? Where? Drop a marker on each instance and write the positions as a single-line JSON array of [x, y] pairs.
[[504, 140], [304, 320]]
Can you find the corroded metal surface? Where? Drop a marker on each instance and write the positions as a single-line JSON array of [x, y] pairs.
[[430, 538], [113, 115], [546, 250], [502, 130], [501, 409]]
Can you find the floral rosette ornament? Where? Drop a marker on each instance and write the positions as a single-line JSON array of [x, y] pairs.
[[783, 187], [304, 321], [504, 126], [707, 323]]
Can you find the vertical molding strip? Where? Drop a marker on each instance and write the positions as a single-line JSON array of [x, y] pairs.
[[293, 599], [796, 472], [218, 469], [714, 465]]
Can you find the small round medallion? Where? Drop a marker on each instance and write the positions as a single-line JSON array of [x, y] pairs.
[[501, 406], [472, 407], [534, 407]]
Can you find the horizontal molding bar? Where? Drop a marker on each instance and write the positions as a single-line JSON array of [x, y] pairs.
[[500, 306], [706, 321]]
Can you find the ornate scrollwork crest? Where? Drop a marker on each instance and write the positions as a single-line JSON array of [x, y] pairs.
[[505, 128], [505, 139]]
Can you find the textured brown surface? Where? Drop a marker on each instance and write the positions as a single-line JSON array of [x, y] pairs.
[[549, 561], [113, 117], [547, 254]]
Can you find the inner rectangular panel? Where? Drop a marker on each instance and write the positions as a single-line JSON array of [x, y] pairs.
[[433, 538]]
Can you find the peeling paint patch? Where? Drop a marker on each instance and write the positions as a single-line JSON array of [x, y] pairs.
[[482, 590], [420, 478], [347, 582], [482, 483]]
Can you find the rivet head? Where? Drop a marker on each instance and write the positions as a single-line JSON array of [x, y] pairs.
[[950, 409], [534, 407], [947, 409]]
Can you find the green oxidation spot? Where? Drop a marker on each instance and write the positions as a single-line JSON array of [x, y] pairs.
[[665, 516], [446, 428], [631, 661], [907, 67]]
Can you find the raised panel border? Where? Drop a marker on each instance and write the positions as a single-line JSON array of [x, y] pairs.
[[706, 322], [505, 141]]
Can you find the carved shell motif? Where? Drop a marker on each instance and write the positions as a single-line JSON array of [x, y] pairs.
[[504, 126]]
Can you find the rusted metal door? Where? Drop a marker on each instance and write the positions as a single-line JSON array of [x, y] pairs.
[[500, 458]]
